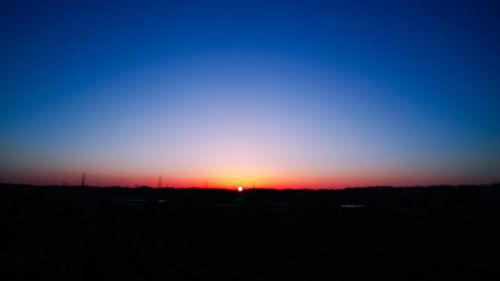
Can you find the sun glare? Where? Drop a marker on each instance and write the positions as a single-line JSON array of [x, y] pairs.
[[240, 188]]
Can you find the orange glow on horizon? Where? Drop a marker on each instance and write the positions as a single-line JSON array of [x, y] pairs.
[[231, 179]]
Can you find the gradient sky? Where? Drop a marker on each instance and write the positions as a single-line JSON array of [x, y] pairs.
[[282, 94]]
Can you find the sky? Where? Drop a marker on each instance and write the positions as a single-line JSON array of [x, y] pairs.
[[276, 94]]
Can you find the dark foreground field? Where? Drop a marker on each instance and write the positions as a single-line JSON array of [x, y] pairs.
[[69, 233]]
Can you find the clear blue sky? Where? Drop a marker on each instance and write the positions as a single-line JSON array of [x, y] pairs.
[[278, 93]]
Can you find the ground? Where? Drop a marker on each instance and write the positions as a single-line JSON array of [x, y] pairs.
[[74, 233]]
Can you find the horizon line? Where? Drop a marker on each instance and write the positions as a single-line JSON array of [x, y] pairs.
[[248, 188]]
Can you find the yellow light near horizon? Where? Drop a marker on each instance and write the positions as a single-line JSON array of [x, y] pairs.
[[240, 188]]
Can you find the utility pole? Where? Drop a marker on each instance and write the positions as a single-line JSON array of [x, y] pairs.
[[206, 184], [159, 182], [83, 180]]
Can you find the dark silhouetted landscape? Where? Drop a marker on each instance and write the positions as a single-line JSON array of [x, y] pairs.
[[379, 233]]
